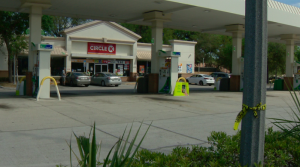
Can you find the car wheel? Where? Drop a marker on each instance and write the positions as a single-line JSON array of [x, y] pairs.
[[102, 83], [116, 85], [210, 84], [201, 83], [71, 83], [86, 85]]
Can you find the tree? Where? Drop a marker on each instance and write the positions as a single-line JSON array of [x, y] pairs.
[[12, 26], [143, 31], [54, 25], [276, 58], [18, 45], [297, 53]]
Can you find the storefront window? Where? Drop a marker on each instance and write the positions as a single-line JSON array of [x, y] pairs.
[[111, 68], [57, 65], [91, 68], [144, 67], [120, 69], [77, 67], [123, 67]]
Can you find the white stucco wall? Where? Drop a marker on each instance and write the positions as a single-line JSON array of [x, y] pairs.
[[79, 47], [124, 50], [102, 30], [121, 50]]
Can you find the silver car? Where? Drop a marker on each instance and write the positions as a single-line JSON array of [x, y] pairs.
[[201, 79], [78, 78], [106, 79]]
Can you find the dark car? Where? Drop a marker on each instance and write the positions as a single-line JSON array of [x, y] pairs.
[[78, 78], [220, 75]]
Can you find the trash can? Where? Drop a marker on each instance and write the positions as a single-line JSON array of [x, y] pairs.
[[142, 86], [225, 84], [278, 84], [217, 83]]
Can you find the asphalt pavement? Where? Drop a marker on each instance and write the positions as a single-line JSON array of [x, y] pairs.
[[35, 133]]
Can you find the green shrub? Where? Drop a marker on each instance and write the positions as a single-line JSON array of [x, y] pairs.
[[291, 127], [89, 149], [224, 151]]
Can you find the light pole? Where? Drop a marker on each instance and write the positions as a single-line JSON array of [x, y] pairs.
[[254, 93]]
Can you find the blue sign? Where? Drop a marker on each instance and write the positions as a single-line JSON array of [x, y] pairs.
[[176, 53], [46, 46]]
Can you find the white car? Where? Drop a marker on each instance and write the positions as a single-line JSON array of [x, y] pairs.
[[201, 79]]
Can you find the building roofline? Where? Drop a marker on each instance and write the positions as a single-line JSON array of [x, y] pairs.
[[149, 44], [93, 23], [183, 42]]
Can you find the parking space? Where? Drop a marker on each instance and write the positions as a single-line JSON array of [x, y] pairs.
[[39, 129], [127, 88]]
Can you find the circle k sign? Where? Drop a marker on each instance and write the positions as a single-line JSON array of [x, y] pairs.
[[101, 48]]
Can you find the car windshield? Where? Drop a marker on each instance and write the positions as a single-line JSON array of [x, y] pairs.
[[79, 74], [110, 74]]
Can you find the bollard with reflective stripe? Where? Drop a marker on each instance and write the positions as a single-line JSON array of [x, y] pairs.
[[42, 82]]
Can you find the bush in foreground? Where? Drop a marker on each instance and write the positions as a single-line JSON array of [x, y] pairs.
[[224, 151]]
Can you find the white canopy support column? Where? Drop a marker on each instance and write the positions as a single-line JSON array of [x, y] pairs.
[[289, 64], [133, 63], [157, 19], [35, 25], [237, 71]]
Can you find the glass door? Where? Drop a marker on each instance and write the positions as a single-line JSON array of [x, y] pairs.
[[101, 68], [104, 68], [97, 68]]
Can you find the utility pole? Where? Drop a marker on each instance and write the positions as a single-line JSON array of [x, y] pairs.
[[253, 128]]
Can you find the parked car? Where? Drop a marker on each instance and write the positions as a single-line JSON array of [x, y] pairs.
[[78, 78], [106, 79], [216, 75], [201, 79]]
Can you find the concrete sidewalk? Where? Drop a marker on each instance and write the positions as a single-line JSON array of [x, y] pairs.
[[34, 133]]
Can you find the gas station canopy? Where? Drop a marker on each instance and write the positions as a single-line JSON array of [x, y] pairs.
[[194, 15]]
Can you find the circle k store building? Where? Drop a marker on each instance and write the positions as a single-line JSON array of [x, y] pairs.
[[102, 46]]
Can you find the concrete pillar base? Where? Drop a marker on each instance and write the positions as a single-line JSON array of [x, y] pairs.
[[153, 83], [235, 83], [288, 83]]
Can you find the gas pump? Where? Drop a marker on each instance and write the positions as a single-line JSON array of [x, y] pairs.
[[241, 62], [164, 83], [42, 68], [168, 74], [296, 75]]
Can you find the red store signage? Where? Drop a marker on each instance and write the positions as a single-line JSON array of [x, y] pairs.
[[101, 48]]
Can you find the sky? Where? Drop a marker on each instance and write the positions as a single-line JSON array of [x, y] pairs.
[[291, 2]]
